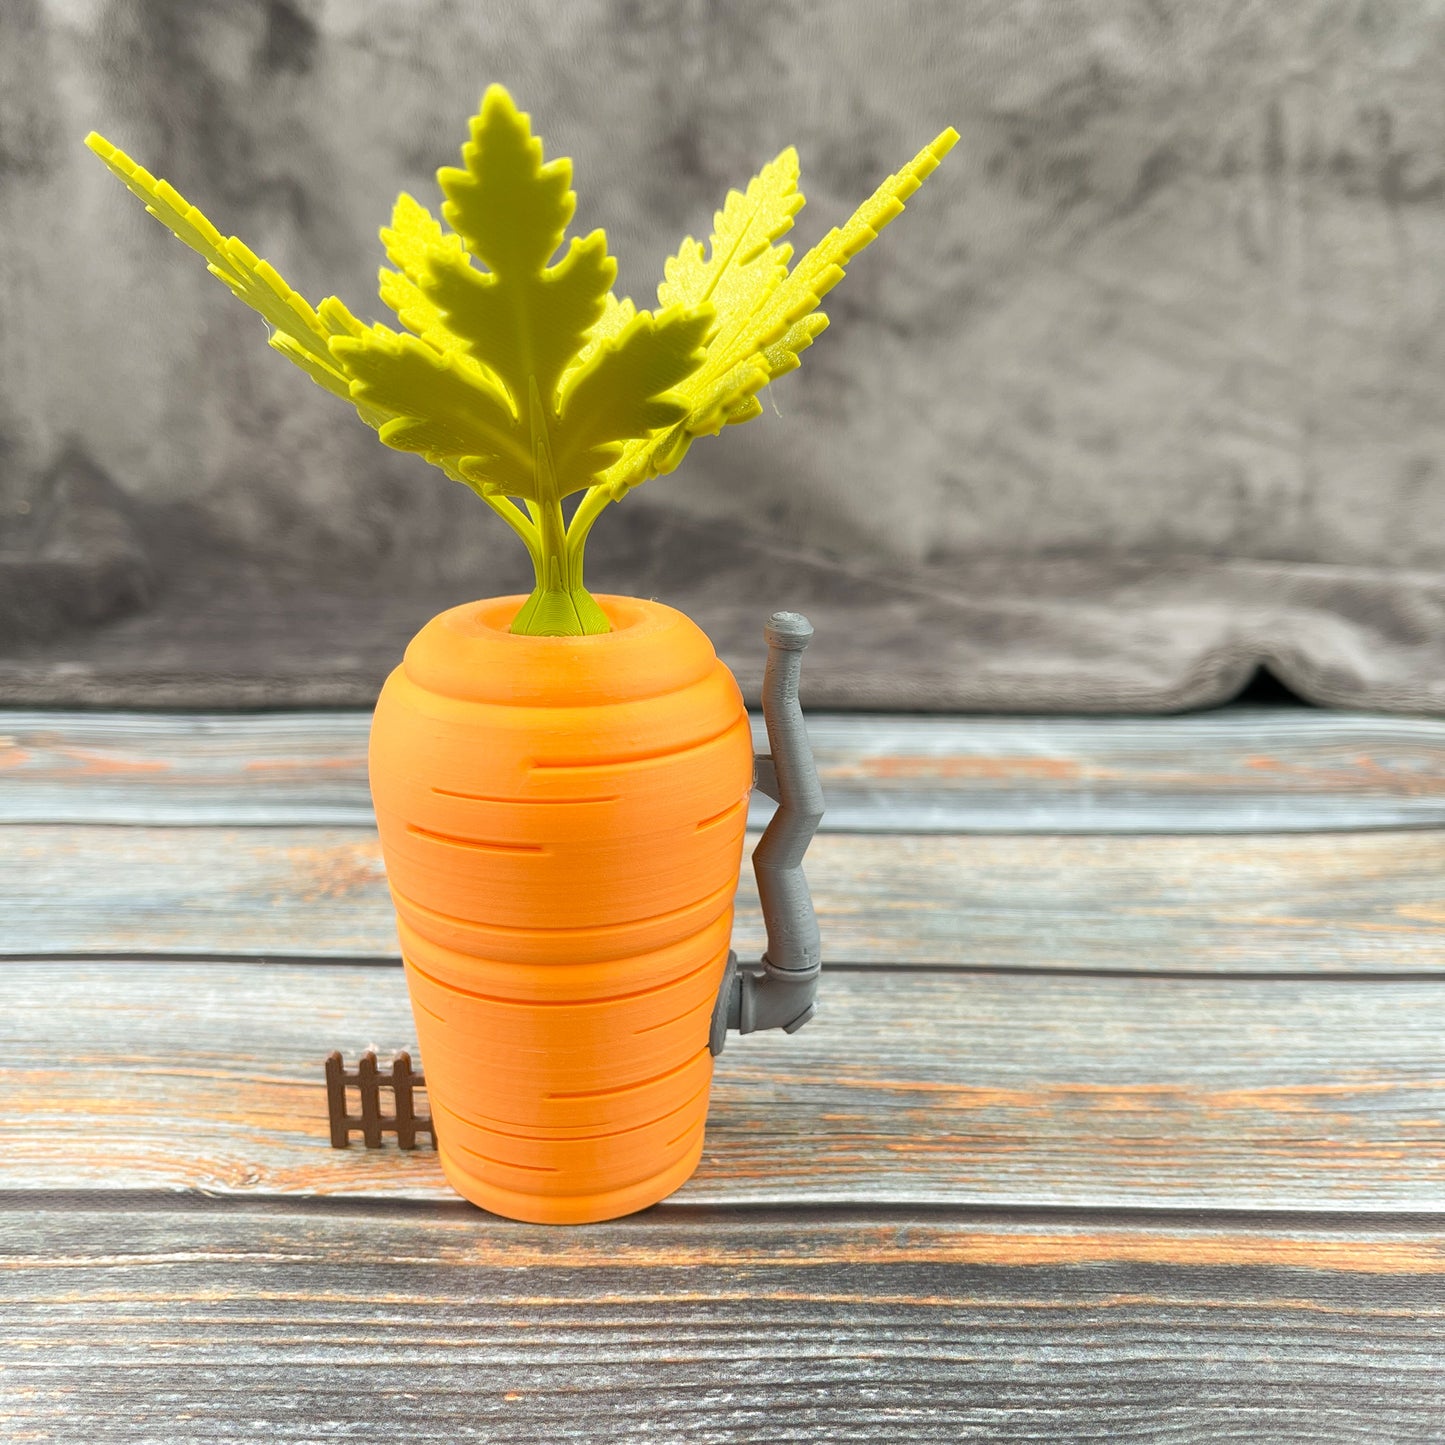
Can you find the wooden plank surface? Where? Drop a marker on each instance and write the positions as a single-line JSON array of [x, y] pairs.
[[218, 1325], [1367, 902], [1269, 769], [909, 1088], [1190, 1186]]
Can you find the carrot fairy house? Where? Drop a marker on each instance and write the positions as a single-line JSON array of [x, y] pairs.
[[561, 780]]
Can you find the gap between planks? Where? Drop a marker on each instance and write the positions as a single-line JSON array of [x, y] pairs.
[[679, 1210], [834, 965], [683, 1236], [1236, 770]]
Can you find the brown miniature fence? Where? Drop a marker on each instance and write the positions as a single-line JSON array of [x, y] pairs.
[[369, 1081]]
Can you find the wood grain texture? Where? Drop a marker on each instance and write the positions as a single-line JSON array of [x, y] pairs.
[[959, 1205], [1240, 770], [909, 1088], [440, 1325], [1368, 902]]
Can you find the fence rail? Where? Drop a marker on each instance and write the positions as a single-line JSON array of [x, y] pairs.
[[368, 1080]]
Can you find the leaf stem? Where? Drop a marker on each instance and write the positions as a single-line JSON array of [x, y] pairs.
[[588, 511], [560, 605], [514, 517]]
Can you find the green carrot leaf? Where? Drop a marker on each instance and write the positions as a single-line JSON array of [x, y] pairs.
[[442, 406], [624, 390], [411, 240], [525, 328], [525, 377], [743, 264], [297, 331], [771, 313]]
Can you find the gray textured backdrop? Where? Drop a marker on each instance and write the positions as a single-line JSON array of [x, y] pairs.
[[1146, 387]]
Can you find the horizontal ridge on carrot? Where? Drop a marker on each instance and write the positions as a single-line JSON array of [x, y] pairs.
[[560, 780]]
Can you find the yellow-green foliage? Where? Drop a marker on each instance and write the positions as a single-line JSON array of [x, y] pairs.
[[529, 381]]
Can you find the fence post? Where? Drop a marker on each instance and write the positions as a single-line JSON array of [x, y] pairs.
[[336, 1100], [366, 1083], [402, 1101]]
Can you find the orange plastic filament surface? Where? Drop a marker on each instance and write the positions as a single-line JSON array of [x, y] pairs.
[[562, 822]]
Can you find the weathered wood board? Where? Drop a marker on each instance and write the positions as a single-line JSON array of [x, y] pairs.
[[1367, 902], [1268, 769], [909, 1088], [438, 1324], [1111, 1127]]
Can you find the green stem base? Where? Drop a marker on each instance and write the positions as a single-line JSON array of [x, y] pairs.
[[556, 613]]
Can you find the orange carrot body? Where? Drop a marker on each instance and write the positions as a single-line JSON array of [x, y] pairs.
[[562, 822]]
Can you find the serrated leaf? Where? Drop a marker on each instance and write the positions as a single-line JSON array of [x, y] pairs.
[[615, 315], [414, 237], [255, 282], [510, 207], [439, 407], [324, 373], [335, 320], [761, 336], [742, 265], [743, 411], [526, 327], [625, 390]]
